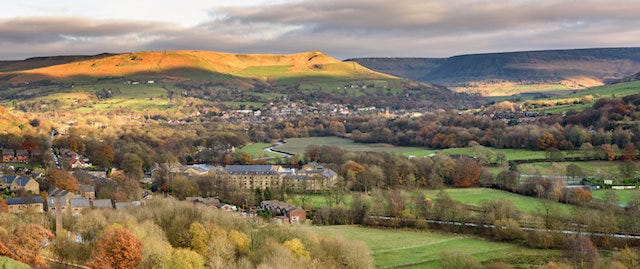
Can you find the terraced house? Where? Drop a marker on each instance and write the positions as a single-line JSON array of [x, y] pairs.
[[15, 183]]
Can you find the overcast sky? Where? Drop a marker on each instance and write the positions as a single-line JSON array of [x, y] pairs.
[[341, 28]]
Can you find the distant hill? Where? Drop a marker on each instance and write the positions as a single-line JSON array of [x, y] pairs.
[[215, 76], [634, 77], [255, 66], [516, 72]]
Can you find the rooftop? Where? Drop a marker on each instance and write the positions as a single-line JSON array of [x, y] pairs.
[[24, 200]]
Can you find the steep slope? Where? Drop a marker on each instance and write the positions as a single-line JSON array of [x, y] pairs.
[[261, 66], [634, 77], [516, 72], [153, 80]]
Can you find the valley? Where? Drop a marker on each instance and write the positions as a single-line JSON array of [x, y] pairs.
[[359, 160]]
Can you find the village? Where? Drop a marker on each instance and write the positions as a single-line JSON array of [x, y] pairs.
[[23, 193]]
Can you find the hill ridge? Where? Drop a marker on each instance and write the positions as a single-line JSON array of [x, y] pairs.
[[567, 69]]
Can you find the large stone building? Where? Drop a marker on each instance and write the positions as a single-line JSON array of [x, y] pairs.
[[274, 176]]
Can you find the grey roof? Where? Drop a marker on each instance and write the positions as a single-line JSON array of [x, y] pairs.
[[102, 203], [22, 152], [8, 179], [7, 152], [51, 201], [201, 168], [24, 200], [79, 202], [56, 191], [87, 188], [250, 168], [22, 181]]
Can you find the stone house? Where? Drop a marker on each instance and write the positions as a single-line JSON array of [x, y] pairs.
[[25, 204], [284, 212], [15, 183]]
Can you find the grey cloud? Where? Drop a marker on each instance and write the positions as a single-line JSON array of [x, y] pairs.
[[346, 29], [54, 29]]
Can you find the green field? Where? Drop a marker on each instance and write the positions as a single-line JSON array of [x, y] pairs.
[[257, 150], [297, 146], [603, 169], [6, 263], [624, 196], [393, 248], [615, 90], [467, 196], [477, 196]]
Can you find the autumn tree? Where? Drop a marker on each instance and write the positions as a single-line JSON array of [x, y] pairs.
[[25, 244], [199, 237], [507, 180], [3, 205], [296, 247], [574, 171], [116, 248], [466, 173], [62, 179], [186, 259], [609, 153], [546, 140], [244, 158], [629, 152], [132, 166], [102, 155], [580, 250]]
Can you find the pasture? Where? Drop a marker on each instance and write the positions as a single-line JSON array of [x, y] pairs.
[[297, 146], [478, 196], [624, 196], [395, 248], [6, 263], [257, 150], [467, 196]]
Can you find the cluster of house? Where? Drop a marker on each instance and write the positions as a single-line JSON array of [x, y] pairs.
[[65, 200], [17, 183], [75, 159], [284, 212], [312, 177], [281, 212], [15, 156], [85, 198]]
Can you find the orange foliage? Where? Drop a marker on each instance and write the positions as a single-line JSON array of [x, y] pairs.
[[116, 248], [629, 153], [63, 180], [611, 155], [25, 243], [467, 173], [3, 205]]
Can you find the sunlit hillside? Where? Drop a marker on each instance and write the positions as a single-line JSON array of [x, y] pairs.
[[258, 66]]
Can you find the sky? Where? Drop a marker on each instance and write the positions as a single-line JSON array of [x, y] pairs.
[[341, 28]]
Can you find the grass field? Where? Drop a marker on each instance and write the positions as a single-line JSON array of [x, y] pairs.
[[257, 150], [615, 90], [421, 249], [602, 169], [477, 196], [624, 196], [6, 263], [298, 146], [467, 196]]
